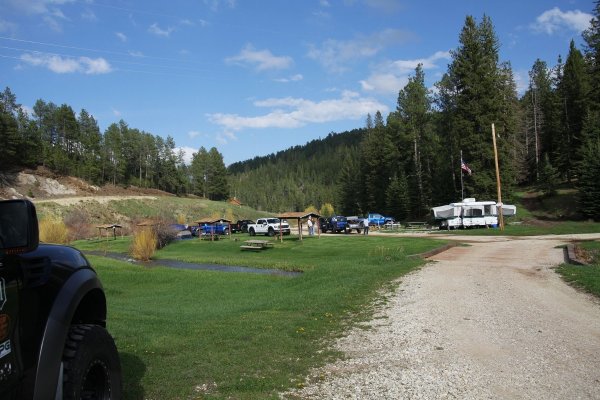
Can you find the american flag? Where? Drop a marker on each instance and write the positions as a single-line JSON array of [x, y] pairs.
[[465, 167]]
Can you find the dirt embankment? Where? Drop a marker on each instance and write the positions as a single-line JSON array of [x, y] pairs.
[[42, 184]]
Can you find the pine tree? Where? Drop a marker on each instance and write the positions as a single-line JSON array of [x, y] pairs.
[[217, 186], [592, 52], [548, 178], [481, 88], [573, 89], [397, 198], [588, 183]]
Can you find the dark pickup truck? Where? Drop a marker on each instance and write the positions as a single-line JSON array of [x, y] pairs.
[[53, 338]]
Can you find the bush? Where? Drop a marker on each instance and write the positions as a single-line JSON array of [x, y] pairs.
[[164, 234], [53, 230], [143, 244], [77, 222]]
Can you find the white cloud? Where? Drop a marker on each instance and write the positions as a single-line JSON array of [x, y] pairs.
[[134, 53], [187, 153], [225, 137], [89, 15], [293, 78], [553, 20], [388, 6], [216, 5], [67, 65], [193, 134], [47, 9], [6, 26], [391, 76], [291, 112], [116, 112], [155, 29], [122, 37], [335, 54], [261, 59]]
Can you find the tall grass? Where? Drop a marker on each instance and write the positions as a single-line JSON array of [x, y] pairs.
[[53, 230], [144, 244]]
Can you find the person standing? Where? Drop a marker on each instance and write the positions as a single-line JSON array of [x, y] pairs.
[[311, 228], [366, 226]]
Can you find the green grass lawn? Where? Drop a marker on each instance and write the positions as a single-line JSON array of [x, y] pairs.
[[218, 335], [586, 277]]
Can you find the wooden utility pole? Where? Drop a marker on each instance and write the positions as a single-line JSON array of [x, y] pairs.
[[499, 204]]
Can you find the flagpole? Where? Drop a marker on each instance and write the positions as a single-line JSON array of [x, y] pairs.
[[499, 204], [462, 188]]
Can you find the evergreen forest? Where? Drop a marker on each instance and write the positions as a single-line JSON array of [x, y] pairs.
[[434, 148]]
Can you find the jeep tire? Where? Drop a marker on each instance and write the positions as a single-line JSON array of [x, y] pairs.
[[91, 364]]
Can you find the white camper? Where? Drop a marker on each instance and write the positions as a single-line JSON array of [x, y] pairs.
[[470, 213]]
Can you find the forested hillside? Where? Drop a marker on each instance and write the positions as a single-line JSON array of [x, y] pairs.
[[69, 144], [411, 160], [400, 164]]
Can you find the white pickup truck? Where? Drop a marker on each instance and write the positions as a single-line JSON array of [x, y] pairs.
[[269, 226]]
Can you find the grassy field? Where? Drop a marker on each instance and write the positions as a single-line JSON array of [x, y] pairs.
[[220, 335], [586, 277]]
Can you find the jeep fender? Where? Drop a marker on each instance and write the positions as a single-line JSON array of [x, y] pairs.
[[82, 283]]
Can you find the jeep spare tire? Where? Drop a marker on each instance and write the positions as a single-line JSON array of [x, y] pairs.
[[92, 369]]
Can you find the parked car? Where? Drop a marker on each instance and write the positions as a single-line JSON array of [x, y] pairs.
[[355, 223], [376, 219], [269, 226], [337, 223], [214, 229], [241, 226]]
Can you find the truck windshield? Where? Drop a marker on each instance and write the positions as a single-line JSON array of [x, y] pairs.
[[273, 220]]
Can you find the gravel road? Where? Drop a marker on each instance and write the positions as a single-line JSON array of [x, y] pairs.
[[487, 321]]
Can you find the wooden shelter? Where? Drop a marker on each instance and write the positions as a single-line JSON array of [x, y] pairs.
[[107, 229], [299, 216]]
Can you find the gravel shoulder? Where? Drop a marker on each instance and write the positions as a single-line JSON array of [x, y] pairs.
[[489, 320]]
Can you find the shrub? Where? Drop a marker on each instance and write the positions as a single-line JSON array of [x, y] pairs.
[[327, 210], [164, 234], [77, 221], [53, 230], [143, 244]]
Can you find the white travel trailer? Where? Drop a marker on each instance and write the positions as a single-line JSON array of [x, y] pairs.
[[470, 213]]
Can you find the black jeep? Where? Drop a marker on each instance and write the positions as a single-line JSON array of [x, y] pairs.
[[53, 338]]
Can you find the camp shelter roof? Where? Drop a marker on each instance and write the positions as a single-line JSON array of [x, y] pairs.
[[297, 215]]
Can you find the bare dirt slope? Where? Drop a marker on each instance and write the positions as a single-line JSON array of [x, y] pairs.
[[488, 321]]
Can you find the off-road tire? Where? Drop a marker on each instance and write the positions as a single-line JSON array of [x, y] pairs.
[[92, 369], [271, 232], [252, 232]]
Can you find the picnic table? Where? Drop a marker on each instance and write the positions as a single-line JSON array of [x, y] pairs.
[[415, 225], [256, 244]]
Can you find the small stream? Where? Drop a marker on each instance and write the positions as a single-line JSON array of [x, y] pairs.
[[185, 265]]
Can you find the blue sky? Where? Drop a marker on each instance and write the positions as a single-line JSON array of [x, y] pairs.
[[255, 77]]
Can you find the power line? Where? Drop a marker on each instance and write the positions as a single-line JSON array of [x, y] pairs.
[[97, 50]]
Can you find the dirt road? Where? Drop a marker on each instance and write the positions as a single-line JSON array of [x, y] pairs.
[[487, 321], [69, 201]]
